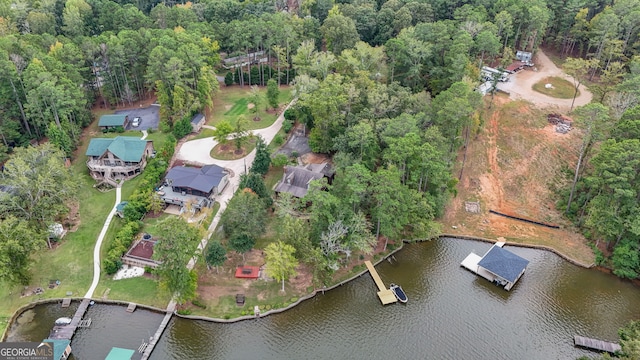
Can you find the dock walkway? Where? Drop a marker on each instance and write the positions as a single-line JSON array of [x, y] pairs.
[[65, 332], [595, 344], [163, 325], [386, 296]]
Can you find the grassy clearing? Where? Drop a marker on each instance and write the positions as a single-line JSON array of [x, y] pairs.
[[229, 152], [141, 290], [561, 88], [273, 176], [232, 103], [204, 133]]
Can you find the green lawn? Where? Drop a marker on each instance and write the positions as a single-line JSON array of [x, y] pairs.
[[71, 261], [229, 153], [561, 88], [232, 103]]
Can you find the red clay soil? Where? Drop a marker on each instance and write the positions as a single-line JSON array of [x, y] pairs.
[[143, 249]]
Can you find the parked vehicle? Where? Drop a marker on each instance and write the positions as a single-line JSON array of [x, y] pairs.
[[136, 122]]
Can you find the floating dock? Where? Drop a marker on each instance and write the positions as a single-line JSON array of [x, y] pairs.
[[131, 308], [386, 296], [595, 344]]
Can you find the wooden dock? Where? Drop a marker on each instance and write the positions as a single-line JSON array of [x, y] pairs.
[[66, 302], [131, 308], [595, 344], [147, 349], [65, 332], [386, 296]]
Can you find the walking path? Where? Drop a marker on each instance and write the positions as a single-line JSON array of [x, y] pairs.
[[96, 249], [103, 232]]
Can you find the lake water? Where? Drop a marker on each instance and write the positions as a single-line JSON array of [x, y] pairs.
[[451, 314]]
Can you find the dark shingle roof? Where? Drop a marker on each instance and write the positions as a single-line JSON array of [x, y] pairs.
[[202, 179], [197, 118], [126, 148], [296, 181], [112, 120], [503, 263]]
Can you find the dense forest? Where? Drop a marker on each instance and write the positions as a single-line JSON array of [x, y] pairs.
[[386, 87]]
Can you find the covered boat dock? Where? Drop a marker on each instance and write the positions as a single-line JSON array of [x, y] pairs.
[[498, 265]]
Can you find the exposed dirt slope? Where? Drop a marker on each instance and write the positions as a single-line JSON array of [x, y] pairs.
[[512, 166]]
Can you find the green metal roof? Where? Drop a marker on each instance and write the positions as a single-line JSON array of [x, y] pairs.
[[120, 354], [58, 347], [126, 148], [112, 120], [120, 207]]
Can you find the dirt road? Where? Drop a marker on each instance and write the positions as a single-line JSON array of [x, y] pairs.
[[520, 85]]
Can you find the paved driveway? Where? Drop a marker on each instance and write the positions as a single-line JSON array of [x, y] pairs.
[[520, 85], [150, 117]]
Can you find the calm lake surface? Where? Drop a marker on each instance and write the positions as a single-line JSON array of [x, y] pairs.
[[451, 314]]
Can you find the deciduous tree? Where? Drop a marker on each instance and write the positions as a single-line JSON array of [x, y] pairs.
[[18, 241], [174, 250], [216, 254], [280, 262]]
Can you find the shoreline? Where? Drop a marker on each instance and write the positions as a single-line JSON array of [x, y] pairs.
[[31, 305]]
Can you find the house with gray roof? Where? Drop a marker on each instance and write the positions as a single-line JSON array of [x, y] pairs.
[[107, 122], [296, 180], [119, 158], [197, 186]]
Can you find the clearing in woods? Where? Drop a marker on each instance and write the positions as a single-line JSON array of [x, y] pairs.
[[513, 165]]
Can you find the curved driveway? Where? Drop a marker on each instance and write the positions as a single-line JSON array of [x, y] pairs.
[[520, 85]]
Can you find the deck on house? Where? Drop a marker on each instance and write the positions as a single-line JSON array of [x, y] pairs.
[[386, 296], [595, 344]]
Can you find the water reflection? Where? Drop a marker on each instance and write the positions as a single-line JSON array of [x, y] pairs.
[[451, 314]]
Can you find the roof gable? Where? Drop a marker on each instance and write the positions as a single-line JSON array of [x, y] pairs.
[[202, 179], [112, 120], [296, 180], [126, 148], [503, 263]]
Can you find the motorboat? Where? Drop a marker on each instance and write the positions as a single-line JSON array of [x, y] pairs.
[[400, 295], [63, 321]]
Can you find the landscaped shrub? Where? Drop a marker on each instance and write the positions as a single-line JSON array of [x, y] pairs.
[[287, 125], [120, 244], [278, 140], [280, 160], [182, 128], [119, 129], [228, 79]]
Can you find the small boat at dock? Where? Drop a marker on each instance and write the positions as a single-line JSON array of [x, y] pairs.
[[63, 321], [400, 295]]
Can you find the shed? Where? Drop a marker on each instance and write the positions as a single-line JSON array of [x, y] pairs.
[[117, 353], [197, 121], [120, 208], [113, 121], [61, 348]]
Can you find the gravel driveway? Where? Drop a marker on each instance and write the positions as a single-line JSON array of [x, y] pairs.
[[520, 85]]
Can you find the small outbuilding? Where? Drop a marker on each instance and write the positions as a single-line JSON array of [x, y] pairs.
[[107, 122], [498, 265], [197, 121]]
